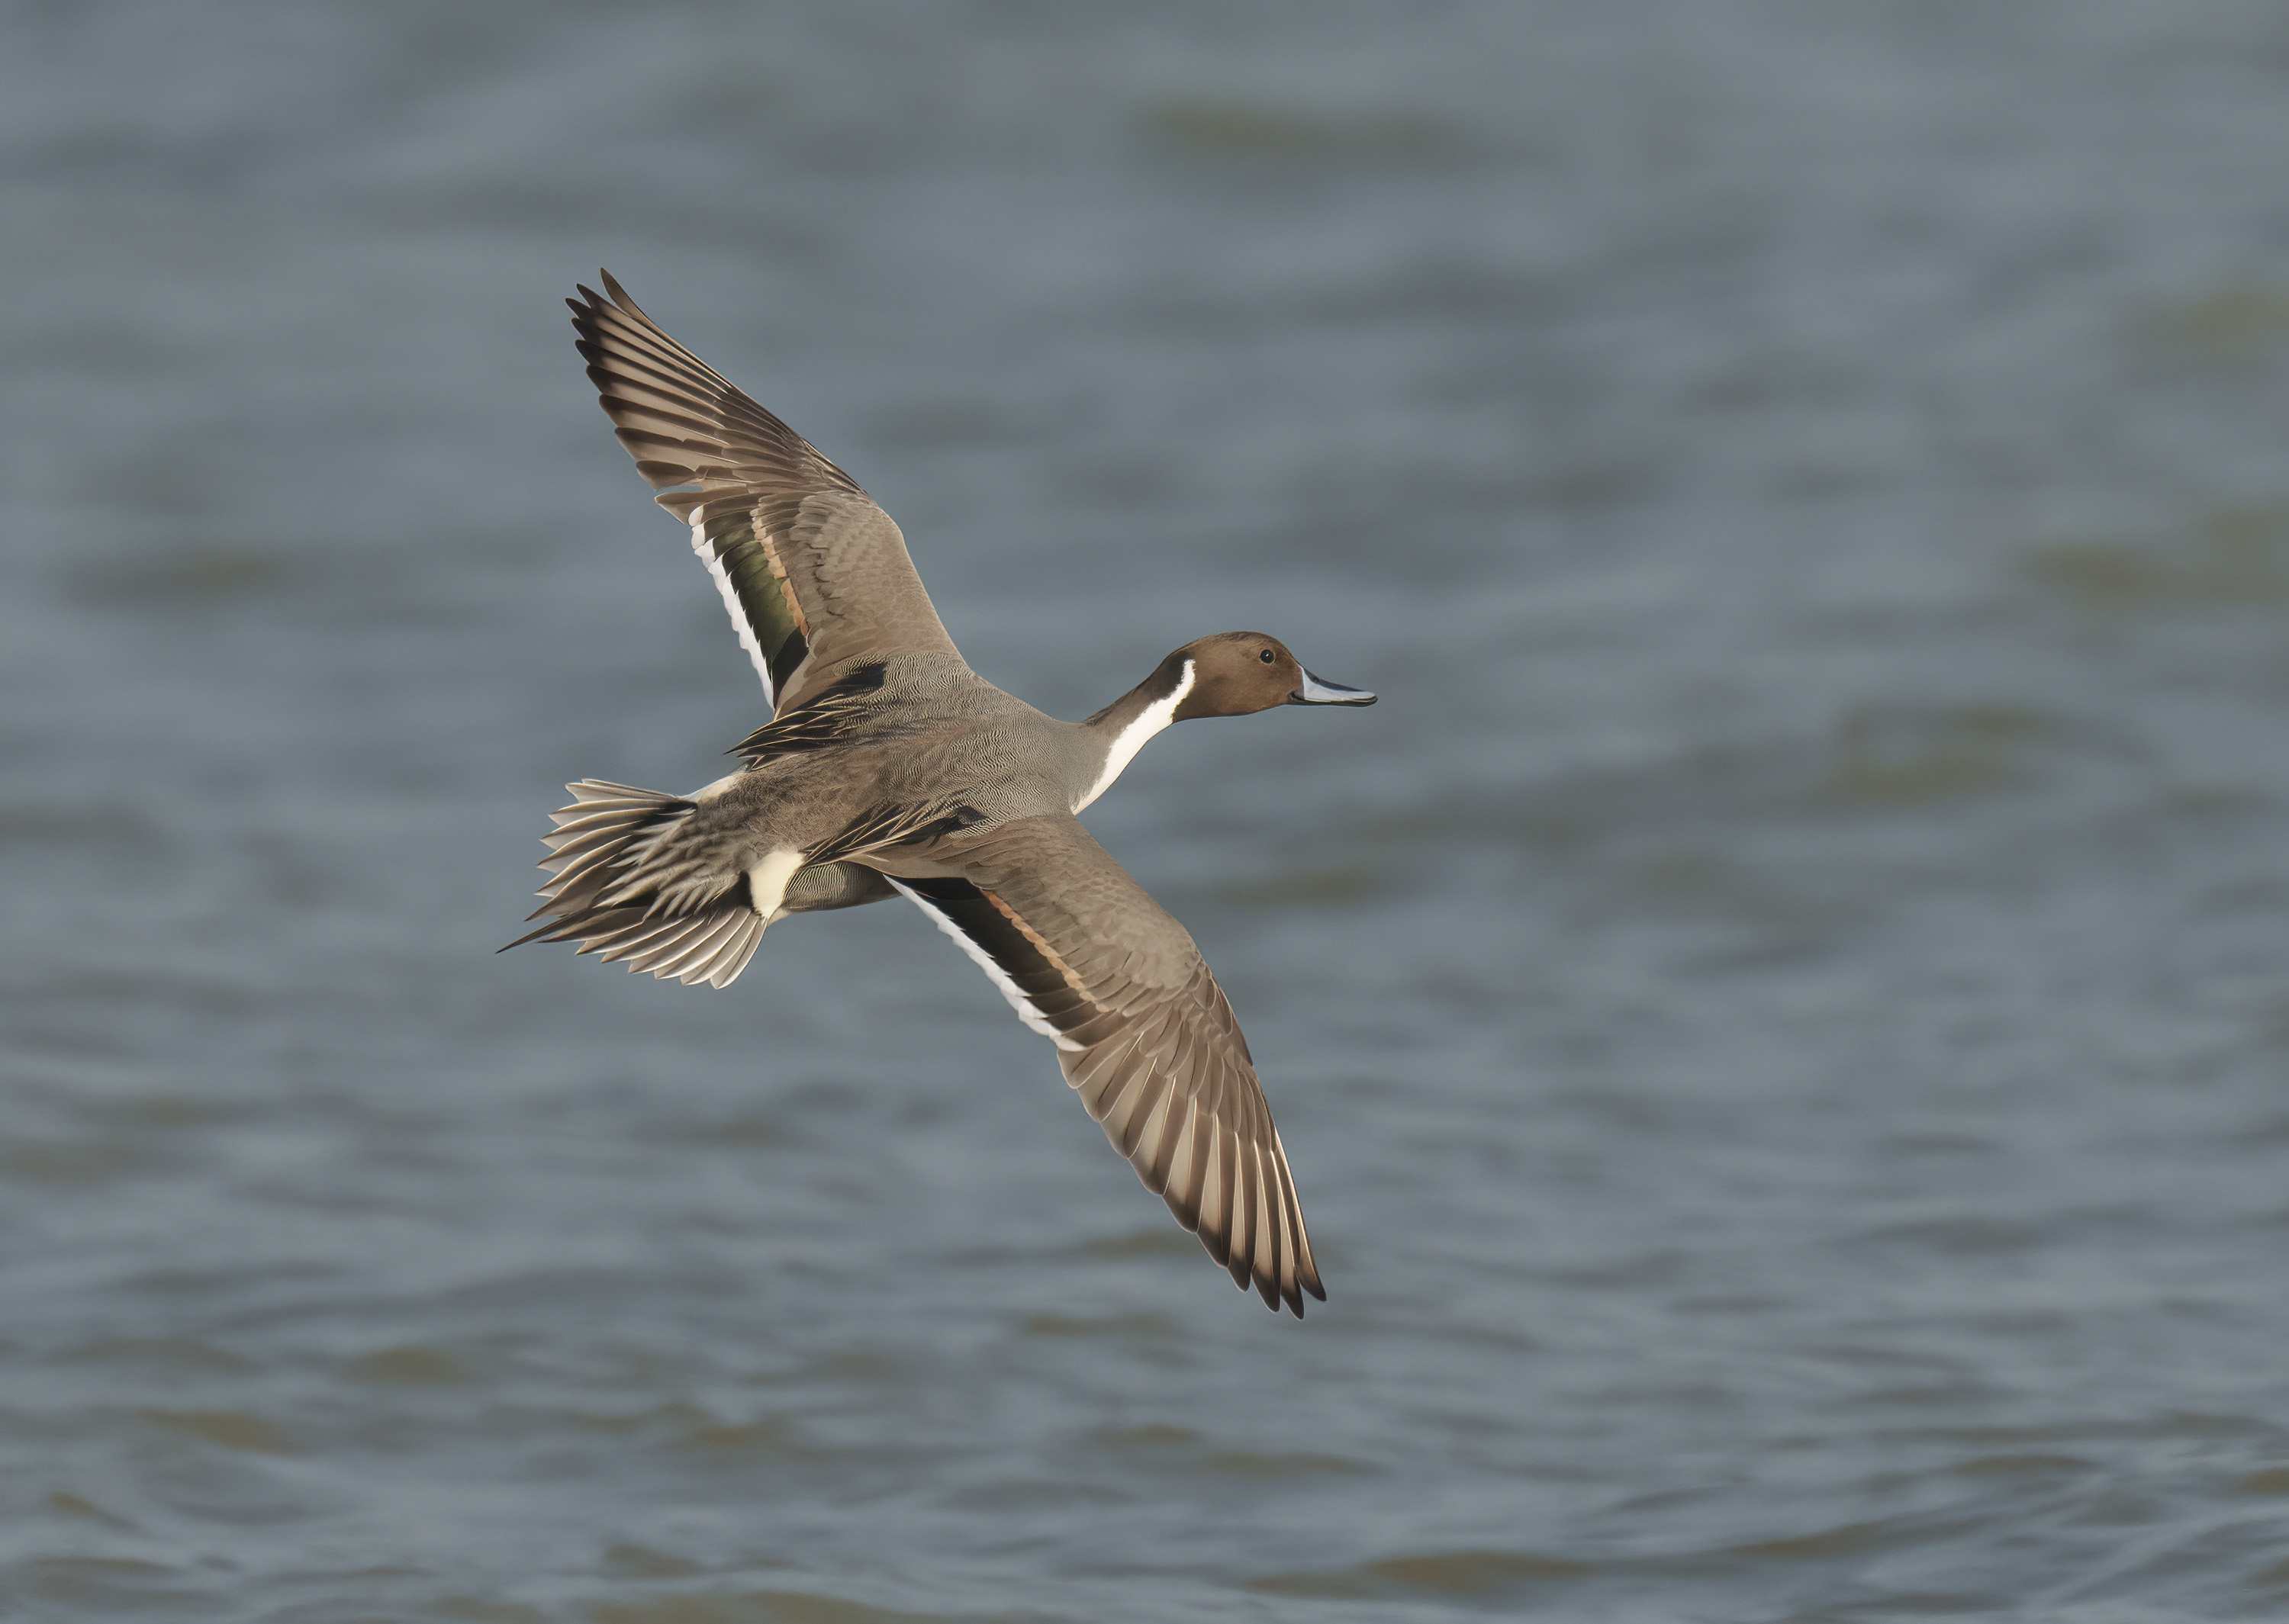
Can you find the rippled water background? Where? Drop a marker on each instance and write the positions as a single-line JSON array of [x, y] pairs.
[[1780, 1016]]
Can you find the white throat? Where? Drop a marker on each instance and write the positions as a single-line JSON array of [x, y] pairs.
[[1131, 738]]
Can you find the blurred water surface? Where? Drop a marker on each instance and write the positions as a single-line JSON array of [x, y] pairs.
[[1780, 1016]]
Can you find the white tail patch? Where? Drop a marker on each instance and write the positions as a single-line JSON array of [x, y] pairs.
[[1130, 739], [769, 878]]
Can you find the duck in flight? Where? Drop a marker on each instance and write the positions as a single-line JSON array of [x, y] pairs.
[[890, 767]]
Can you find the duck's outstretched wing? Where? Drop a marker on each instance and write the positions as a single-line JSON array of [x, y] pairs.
[[811, 570], [1143, 1032]]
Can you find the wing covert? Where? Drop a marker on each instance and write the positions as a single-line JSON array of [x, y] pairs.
[[1144, 1035], [812, 572]]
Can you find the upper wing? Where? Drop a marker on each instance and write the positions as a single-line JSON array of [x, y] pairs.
[[812, 571], [1143, 1031]]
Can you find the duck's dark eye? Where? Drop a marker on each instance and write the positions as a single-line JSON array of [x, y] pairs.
[[1265, 657]]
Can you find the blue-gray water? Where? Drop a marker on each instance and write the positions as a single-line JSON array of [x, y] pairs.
[[1780, 1017]]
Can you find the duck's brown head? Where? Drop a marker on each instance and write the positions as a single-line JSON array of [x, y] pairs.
[[1236, 674]]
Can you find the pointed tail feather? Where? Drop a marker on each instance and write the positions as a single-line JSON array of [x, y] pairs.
[[600, 896]]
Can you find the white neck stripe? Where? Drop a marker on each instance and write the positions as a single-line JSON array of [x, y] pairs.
[[1131, 738]]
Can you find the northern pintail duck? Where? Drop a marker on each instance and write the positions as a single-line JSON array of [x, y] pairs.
[[888, 767]]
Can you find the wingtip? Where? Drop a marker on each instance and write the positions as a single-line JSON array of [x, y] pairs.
[[1289, 1294], [619, 295], [590, 302]]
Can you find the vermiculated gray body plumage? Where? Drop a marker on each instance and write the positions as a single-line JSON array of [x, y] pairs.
[[890, 767]]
